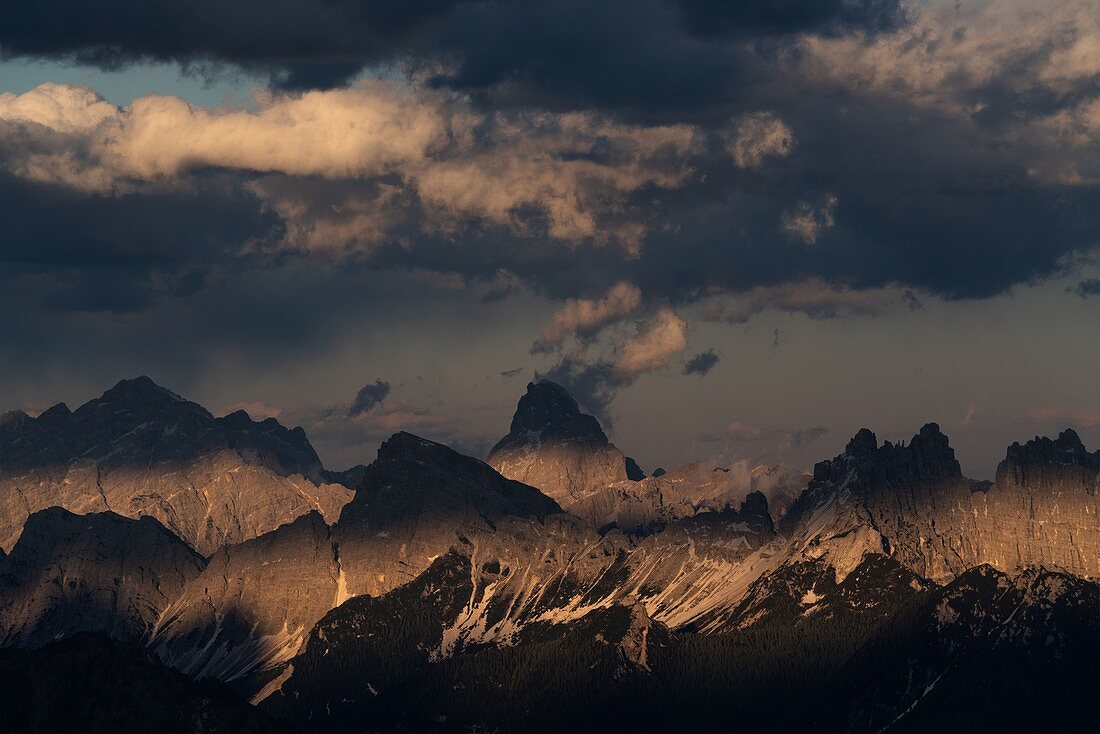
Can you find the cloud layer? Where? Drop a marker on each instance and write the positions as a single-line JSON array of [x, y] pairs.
[[637, 165]]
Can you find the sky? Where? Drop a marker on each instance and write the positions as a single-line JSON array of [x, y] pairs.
[[733, 231]]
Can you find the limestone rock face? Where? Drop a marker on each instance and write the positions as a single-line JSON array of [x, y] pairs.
[[254, 604], [100, 572], [416, 501], [141, 450], [912, 503], [553, 446]]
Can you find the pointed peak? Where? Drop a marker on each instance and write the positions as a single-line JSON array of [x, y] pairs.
[[1069, 440], [238, 420], [140, 388], [61, 410], [863, 443], [545, 403], [547, 412], [930, 429]]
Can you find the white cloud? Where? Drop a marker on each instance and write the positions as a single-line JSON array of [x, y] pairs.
[[585, 316], [958, 59], [649, 349], [413, 146]]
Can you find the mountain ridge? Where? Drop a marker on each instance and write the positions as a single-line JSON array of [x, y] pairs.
[[876, 529]]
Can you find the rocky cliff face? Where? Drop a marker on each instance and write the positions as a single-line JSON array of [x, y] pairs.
[[254, 603], [488, 563], [710, 571], [551, 445], [911, 502], [100, 572], [141, 450], [416, 501]]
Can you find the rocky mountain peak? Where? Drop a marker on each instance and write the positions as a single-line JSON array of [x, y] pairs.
[[927, 456], [140, 393], [548, 412], [141, 449], [1050, 461], [404, 446], [932, 456], [555, 447], [1067, 448], [412, 474], [864, 443]]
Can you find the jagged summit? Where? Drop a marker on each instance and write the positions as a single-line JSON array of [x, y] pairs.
[[1050, 462], [864, 443], [547, 412], [1067, 448], [555, 447], [927, 456], [141, 449]]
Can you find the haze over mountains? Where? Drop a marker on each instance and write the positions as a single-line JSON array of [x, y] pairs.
[[433, 590]]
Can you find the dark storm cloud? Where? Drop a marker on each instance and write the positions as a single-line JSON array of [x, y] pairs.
[[559, 46], [721, 18], [315, 43], [368, 397], [880, 188], [650, 58], [701, 363], [121, 253]]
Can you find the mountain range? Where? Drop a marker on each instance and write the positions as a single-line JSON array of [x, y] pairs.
[[166, 554]]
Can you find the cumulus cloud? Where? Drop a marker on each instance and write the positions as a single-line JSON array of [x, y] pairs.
[[664, 335], [428, 148], [701, 363], [584, 317], [368, 397], [1022, 72], [757, 136], [595, 380]]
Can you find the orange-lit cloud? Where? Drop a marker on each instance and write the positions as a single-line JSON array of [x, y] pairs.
[[584, 316], [422, 147]]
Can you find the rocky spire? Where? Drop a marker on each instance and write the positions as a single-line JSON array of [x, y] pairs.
[[547, 412], [555, 447]]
